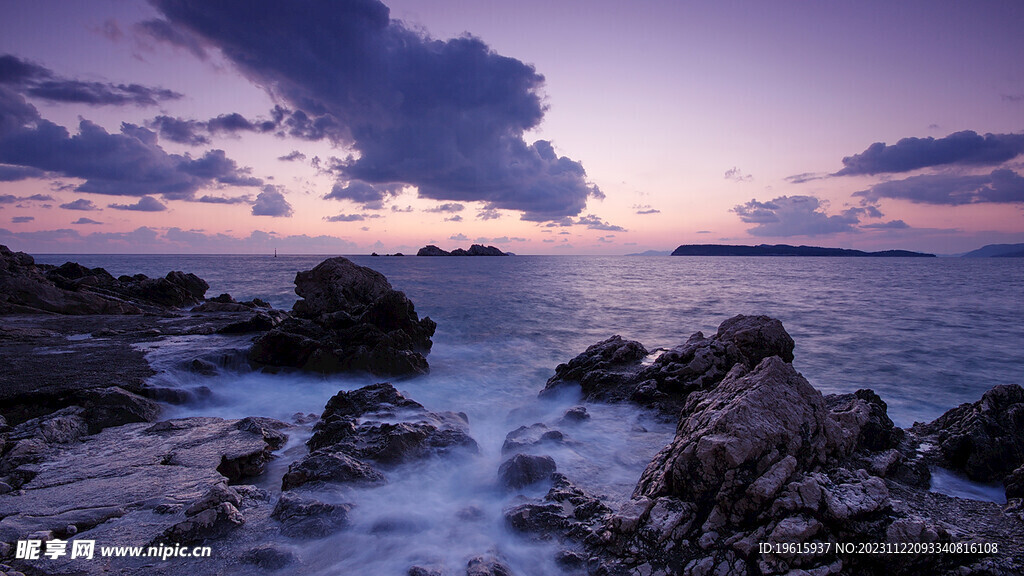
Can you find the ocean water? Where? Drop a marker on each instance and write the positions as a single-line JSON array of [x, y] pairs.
[[925, 334]]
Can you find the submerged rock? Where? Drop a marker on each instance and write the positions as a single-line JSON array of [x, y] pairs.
[[350, 319]]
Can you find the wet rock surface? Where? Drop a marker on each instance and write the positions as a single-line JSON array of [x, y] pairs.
[[613, 370], [761, 458], [350, 319]]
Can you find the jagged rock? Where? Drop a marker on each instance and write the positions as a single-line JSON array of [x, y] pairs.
[[211, 523], [74, 289], [303, 517], [526, 437], [864, 419], [575, 415], [431, 250], [613, 370], [524, 469], [329, 467], [348, 424], [215, 496], [350, 319], [114, 406], [984, 439], [740, 430], [487, 566], [169, 464], [268, 557]]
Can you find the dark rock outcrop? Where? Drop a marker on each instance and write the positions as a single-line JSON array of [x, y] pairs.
[[378, 423], [984, 440], [28, 288], [304, 517], [613, 370], [474, 250], [349, 319], [525, 469]]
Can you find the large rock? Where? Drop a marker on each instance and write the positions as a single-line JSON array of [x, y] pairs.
[[613, 370], [985, 439], [350, 319], [71, 288], [160, 472], [522, 470]]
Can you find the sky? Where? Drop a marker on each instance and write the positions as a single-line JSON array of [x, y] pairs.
[[554, 127]]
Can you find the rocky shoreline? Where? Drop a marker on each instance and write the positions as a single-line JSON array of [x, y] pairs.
[[765, 474]]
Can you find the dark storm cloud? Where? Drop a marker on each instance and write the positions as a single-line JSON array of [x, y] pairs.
[[16, 173], [162, 31], [1001, 186], [80, 204], [793, 216], [127, 164], [179, 130], [145, 204], [271, 202], [39, 82], [448, 207], [22, 219], [445, 116], [966, 148]]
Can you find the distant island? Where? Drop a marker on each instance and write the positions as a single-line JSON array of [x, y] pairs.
[[787, 250], [997, 251], [474, 250], [652, 253]]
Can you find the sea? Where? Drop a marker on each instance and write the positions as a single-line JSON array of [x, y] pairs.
[[926, 334]]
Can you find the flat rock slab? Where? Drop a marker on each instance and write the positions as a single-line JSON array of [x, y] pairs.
[[132, 468]]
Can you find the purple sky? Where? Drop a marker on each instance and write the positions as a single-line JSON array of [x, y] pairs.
[[541, 127]]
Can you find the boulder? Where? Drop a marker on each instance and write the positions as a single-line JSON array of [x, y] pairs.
[[487, 566], [329, 467], [523, 470], [985, 440], [613, 370], [305, 517], [350, 319]]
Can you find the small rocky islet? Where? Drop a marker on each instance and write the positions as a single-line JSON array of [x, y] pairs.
[[763, 472]]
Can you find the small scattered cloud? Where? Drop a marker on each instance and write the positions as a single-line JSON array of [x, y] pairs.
[[594, 223], [145, 204], [1015, 98], [39, 82], [345, 218], [397, 209], [460, 237], [488, 214], [643, 209], [793, 216], [966, 148], [737, 175], [207, 199], [890, 225], [292, 156], [84, 220], [271, 202], [22, 219], [1002, 186], [449, 207], [12, 199], [456, 218], [80, 204], [703, 232], [805, 177]]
